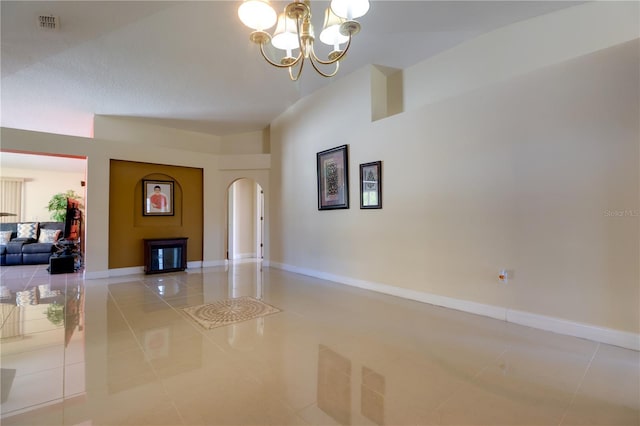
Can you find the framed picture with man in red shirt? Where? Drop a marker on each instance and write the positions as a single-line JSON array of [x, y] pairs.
[[158, 198]]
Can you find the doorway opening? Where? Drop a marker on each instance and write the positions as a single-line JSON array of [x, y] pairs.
[[245, 221]]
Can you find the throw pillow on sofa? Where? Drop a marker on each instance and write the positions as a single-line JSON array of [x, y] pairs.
[[27, 297], [49, 235], [5, 237], [28, 230]]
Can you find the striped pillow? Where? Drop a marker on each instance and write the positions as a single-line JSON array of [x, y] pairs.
[[5, 293], [28, 230], [45, 291], [48, 235], [5, 237]]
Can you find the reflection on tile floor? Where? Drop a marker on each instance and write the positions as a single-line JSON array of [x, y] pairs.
[[122, 351]]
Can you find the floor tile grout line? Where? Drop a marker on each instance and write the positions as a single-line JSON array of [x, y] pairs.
[[482, 370], [155, 372], [579, 386], [153, 369]]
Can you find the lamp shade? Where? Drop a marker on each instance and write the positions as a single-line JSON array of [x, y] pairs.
[[350, 9], [286, 35], [257, 14], [331, 31]]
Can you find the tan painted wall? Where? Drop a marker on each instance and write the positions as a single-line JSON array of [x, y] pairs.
[[127, 224]]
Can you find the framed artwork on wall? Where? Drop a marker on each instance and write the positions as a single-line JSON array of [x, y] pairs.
[[157, 198], [333, 178], [371, 185]]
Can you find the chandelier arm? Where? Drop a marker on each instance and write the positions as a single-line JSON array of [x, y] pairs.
[[275, 64], [334, 60], [322, 73], [298, 73]]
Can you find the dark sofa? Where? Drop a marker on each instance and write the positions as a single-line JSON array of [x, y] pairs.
[[27, 252]]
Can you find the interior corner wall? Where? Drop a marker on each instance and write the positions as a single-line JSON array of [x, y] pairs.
[[243, 143], [127, 224], [218, 172], [538, 174]]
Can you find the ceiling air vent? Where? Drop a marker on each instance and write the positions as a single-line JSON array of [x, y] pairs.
[[48, 22]]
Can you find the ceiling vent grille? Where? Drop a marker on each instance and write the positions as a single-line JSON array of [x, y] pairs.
[[48, 22]]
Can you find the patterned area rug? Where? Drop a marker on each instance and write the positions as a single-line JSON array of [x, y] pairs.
[[230, 311]]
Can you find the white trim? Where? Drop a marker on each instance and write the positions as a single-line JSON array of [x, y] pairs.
[[96, 275], [245, 256], [571, 328], [557, 325], [211, 263], [195, 264], [23, 410], [119, 272], [135, 270]]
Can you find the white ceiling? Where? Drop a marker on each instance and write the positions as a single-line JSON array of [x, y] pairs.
[[191, 65], [40, 162]]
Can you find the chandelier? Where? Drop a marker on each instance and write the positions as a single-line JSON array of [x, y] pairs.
[[295, 32]]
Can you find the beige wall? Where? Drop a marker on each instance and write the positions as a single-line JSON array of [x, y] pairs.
[[521, 48], [40, 186], [129, 130], [526, 173], [245, 143]]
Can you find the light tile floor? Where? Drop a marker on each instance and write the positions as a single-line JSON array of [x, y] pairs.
[[123, 353]]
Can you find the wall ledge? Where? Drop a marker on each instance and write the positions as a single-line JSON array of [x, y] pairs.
[[557, 325]]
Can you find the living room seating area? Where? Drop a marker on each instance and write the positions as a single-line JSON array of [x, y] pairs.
[[28, 243]]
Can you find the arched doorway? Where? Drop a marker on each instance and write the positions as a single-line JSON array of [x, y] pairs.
[[245, 220]]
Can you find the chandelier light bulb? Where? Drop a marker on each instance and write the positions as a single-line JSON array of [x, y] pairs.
[[257, 14], [286, 35], [350, 9], [331, 35]]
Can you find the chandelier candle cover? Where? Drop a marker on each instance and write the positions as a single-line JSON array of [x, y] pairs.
[[295, 31]]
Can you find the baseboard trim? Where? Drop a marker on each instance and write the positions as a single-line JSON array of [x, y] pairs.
[[96, 275], [120, 272], [212, 263], [586, 331], [134, 270], [244, 256], [553, 324]]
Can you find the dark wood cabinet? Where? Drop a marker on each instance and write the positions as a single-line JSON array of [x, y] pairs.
[[165, 255]]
